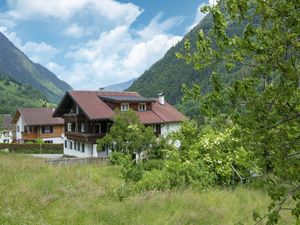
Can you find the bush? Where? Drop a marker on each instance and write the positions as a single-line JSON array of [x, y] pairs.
[[119, 158], [132, 173], [34, 148], [153, 180], [153, 164]]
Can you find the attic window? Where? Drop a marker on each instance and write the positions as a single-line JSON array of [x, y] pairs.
[[124, 107], [142, 107]]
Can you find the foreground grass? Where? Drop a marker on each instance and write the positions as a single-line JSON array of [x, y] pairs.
[[34, 193]]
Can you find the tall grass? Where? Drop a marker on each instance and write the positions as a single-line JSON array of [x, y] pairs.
[[32, 192]]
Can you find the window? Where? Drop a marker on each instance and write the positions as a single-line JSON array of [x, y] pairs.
[[82, 147], [71, 144], [142, 107], [77, 109], [18, 128], [97, 128], [47, 129], [78, 146], [66, 144], [49, 142], [124, 107], [69, 126], [6, 141], [109, 125], [76, 127], [75, 145], [82, 128]]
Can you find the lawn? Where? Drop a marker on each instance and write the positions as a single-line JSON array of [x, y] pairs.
[[32, 192]]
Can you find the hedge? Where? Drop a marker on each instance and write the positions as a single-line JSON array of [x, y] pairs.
[[34, 148]]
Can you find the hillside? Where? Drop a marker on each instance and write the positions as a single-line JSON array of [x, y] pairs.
[[119, 86], [14, 94], [169, 73], [15, 64]]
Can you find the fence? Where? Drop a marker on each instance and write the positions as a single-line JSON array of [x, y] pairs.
[[76, 161]]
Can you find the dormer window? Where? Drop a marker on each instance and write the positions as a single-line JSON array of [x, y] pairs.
[[142, 107], [124, 107]]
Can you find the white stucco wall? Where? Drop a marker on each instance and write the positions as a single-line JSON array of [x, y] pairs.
[[7, 137], [21, 124], [89, 149], [168, 128], [56, 140]]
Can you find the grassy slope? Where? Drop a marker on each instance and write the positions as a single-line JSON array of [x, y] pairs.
[[16, 95], [34, 193]]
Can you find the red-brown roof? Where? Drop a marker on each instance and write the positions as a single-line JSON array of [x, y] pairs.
[[95, 108], [37, 116]]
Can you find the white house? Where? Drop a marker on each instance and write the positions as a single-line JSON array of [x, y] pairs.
[[6, 129], [32, 124], [88, 117]]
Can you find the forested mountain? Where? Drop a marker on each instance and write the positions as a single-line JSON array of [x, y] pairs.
[[15, 64], [169, 73], [119, 86], [14, 94]]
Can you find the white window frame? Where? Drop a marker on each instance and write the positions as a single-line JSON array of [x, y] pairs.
[[142, 107], [69, 126], [82, 128], [98, 124], [124, 107], [77, 109]]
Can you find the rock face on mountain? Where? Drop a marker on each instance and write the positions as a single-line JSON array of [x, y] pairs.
[[16, 65], [169, 73]]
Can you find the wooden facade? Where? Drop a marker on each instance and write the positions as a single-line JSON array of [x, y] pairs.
[[32, 133]]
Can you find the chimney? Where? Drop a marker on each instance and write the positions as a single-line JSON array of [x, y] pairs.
[[161, 98]]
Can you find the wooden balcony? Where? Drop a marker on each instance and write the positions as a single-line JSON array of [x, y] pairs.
[[71, 117], [84, 137], [29, 136]]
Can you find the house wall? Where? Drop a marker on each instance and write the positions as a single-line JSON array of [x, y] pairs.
[[168, 128], [90, 150], [6, 136], [21, 124], [58, 131]]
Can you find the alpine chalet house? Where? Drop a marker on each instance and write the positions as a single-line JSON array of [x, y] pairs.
[[88, 116], [6, 129], [37, 123]]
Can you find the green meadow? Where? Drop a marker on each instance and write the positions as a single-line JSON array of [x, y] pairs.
[[32, 192]]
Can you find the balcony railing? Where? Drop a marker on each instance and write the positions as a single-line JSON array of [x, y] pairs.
[[29, 136], [71, 117], [84, 137]]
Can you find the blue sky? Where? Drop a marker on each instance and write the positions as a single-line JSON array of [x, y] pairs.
[[94, 43]]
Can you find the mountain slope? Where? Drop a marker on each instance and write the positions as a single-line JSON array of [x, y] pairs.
[[17, 65], [14, 94], [169, 73], [119, 86]]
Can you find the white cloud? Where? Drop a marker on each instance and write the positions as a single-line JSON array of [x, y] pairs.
[[119, 55], [74, 30], [40, 52], [199, 16], [156, 26], [66, 9], [12, 36]]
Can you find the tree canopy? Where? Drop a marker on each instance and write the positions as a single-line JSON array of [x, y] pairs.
[[261, 111]]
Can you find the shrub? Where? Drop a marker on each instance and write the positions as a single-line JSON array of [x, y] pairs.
[[132, 173], [153, 164], [119, 158], [34, 148], [153, 180]]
